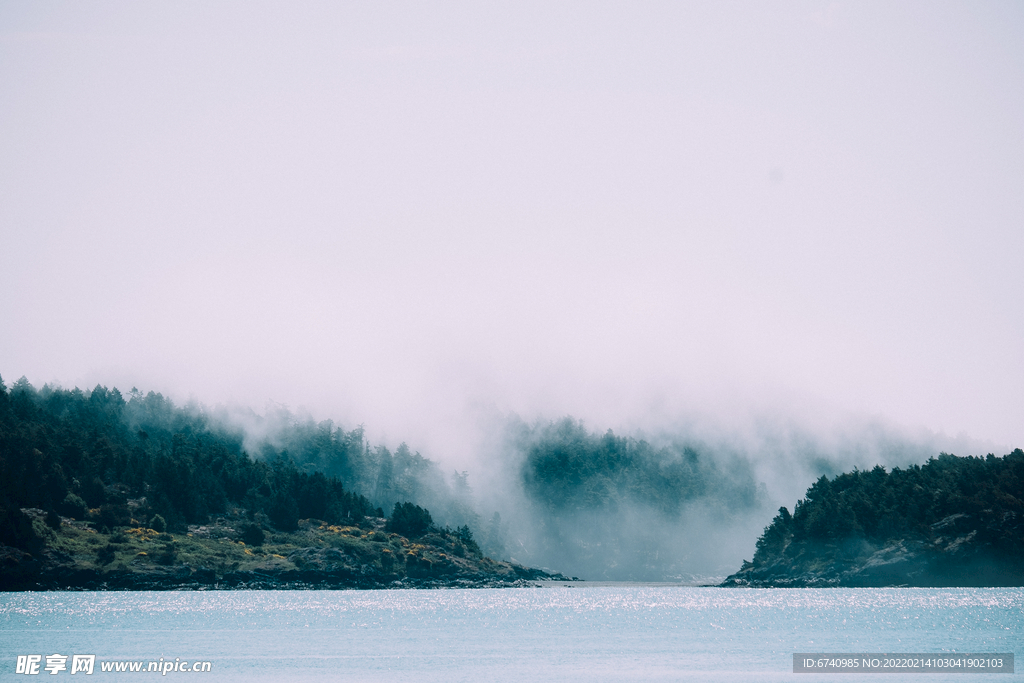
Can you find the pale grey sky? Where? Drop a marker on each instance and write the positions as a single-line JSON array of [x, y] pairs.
[[402, 213]]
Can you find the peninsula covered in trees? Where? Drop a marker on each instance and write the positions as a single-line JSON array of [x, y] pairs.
[[101, 491], [955, 521]]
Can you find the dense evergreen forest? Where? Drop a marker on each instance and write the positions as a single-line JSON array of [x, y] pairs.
[[67, 452], [953, 521], [102, 492]]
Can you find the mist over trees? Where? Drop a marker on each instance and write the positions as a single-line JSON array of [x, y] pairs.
[[384, 477], [570, 469], [584, 502], [600, 504], [622, 508], [143, 459]]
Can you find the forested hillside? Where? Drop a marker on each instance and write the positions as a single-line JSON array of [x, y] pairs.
[[953, 521], [68, 452], [98, 491]]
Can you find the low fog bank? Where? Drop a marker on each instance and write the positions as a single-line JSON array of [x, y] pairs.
[[683, 500]]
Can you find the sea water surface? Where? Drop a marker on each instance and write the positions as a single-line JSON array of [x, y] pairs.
[[553, 633]]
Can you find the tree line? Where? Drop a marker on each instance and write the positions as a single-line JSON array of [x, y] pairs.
[[568, 468], [880, 506], [69, 451]]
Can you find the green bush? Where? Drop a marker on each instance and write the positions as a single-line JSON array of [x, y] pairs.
[[158, 524], [409, 520], [73, 506]]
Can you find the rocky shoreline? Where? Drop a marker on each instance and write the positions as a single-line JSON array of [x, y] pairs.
[[317, 556], [29, 578]]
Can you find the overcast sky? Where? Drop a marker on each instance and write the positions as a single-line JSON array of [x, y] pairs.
[[403, 214]]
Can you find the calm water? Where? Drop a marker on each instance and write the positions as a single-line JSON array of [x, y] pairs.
[[579, 633]]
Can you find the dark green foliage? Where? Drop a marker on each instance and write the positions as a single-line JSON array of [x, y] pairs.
[[284, 512], [385, 477], [879, 506], [52, 519], [16, 529], [73, 506], [114, 515], [168, 554], [158, 524], [775, 537], [409, 520], [465, 536], [253, 535], [69, 450], [106, 554], [93, 491]]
